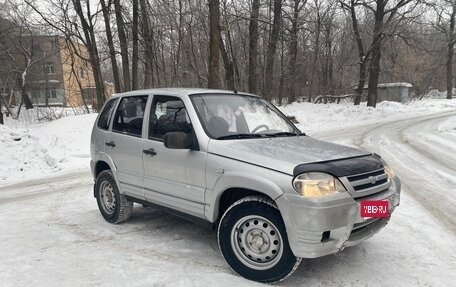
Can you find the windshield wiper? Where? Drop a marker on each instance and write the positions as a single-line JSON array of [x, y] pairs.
[[284, 134], [241, 136]]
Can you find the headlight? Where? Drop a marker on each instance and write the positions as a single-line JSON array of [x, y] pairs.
[[316, 184], [388, 170]]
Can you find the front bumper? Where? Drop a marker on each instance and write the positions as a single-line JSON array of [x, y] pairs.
[[325, 226]]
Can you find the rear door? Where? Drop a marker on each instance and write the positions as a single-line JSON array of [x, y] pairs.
[[173, 177], [102, 127], [124, 144]]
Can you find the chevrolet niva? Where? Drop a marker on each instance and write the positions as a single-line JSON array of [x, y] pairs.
[[231, 159]]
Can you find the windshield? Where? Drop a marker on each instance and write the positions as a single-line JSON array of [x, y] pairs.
[[241, 116]]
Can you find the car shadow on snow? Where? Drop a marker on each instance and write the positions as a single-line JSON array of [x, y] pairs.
[[168, 232]]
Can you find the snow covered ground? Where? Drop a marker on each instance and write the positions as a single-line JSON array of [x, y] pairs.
[[53, 234], [315, 118], [34, 150]]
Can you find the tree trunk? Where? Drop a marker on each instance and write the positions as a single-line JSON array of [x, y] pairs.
[[123, 45], [91, 45], [361, 54], [229, 67], [361, 81], [374, 67], [314, 73], [272, 45], [135, 55], [449, 64], [282, 72], [214, 43], [449, 75], [148, 48], [253, 47], [293, 53], [112, 51], [24, 97], [1, 112], [329, 64]]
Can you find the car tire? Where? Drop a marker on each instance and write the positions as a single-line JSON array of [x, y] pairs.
[[253, 240], [113, 205]]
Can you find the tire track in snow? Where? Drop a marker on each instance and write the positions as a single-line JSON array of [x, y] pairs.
[[52, 190], [428, 178], [34, 189]]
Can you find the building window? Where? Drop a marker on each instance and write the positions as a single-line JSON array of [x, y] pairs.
[[35, 94], [53, 46], [49, 68], [89, 94], [83, 73], [4, 88], [52, 93]]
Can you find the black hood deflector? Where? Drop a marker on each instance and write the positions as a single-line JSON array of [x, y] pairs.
[[342, 167]]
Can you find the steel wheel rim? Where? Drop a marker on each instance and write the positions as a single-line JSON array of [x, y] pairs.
[[256, 242], [107, 198]]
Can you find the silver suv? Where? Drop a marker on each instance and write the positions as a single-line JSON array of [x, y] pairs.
[[235, 161]]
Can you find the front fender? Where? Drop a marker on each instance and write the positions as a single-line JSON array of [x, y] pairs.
[[235, 179]]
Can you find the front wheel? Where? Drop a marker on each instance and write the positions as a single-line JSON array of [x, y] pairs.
[[254, 242], [113, 205]]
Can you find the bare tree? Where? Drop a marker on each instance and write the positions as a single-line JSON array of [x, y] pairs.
[[135, 56], [293, 50], [363, 55], [214, 43], [300, 47], [90, 43], [123, 45], [148, 46], [446, 17], [106, 9], [386, 15], [380, 11], [272, 45], [18, 44], [253, 47]]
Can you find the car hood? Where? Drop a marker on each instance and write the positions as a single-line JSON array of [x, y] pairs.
[[282, 153]]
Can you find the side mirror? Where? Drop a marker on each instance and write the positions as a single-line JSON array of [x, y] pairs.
[[177, 140]]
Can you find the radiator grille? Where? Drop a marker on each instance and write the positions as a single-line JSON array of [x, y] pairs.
[[369, 182]]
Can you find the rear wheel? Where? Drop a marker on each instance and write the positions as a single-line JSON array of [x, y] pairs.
[[114, 206], [253, 241]]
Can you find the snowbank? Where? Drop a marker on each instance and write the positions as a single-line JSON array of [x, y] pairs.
[[323, 117], [54, 147]]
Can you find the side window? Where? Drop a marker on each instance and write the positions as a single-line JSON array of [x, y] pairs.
[[105, 116], [168, 114], [129, 116]]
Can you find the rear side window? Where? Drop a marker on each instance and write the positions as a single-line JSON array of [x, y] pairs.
[[105, 116], [129, 116]]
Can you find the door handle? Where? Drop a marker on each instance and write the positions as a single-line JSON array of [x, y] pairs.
[[110, 144], [149, 152]]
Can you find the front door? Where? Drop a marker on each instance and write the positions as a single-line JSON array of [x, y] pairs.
[[124, 144], [172, 177]]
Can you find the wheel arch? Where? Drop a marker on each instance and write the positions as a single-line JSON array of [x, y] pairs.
[[101, 163], [229, 188], [231, 195], [100, 166]]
